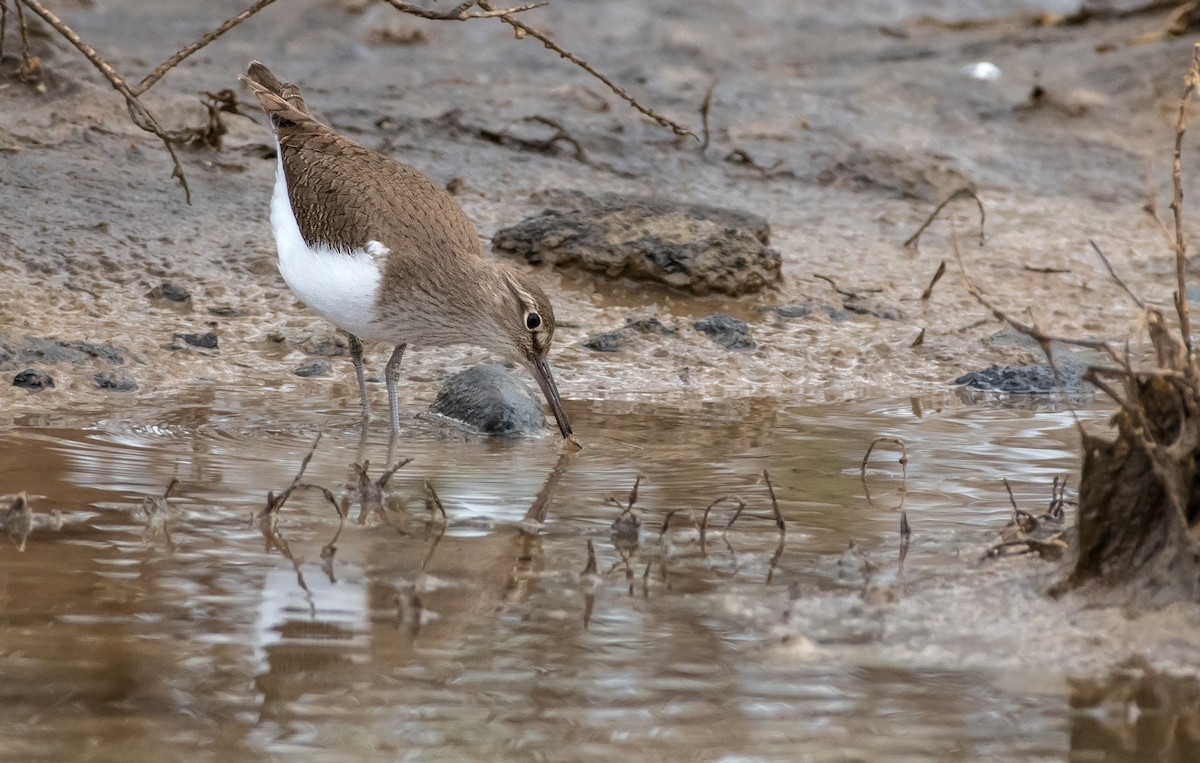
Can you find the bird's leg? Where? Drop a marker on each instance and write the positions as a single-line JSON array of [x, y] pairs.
[[392, 374], [356, 354]]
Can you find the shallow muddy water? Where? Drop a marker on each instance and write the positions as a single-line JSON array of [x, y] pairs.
[[472, 640]]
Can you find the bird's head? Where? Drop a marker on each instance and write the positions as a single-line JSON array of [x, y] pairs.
[[524, 329]]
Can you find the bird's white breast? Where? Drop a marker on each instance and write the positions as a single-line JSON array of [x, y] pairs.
[[340, 286]]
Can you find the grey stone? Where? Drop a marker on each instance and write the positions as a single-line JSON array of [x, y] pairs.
[[170, 291], [862, 306], [1026, 380], [315, 368], [116, 381], [489, 399], [207, 340], [807, 310], [31, 379], [650, 325], [692, 247], [607, 341], [727, 331], [17, 351]]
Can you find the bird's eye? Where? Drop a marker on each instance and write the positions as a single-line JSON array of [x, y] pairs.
[[533, 321]]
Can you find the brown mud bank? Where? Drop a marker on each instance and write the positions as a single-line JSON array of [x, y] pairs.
[[841, 131]]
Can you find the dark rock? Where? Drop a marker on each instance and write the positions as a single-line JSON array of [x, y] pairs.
[[807, 310], [315, 368], [31, 379], [490, 400], [117, 381], [172, 292], [608, 341], [1026, 380], [692, 247], [17, 351], [207, 340], [727, 331], [650, 325], [861, 306]]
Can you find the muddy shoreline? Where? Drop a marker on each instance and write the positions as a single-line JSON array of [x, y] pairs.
[[842, 131]]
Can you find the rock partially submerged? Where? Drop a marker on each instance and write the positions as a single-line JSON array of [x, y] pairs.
[[17, 351], [33, 379], [1026, 380], [727, 331], [489, 399], [692, 247], [115, 381], [613, 341]]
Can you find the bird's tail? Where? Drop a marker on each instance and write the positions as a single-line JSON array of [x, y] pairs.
[[281, 100]]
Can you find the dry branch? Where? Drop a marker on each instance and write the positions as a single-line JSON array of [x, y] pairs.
[[962, 193], [145, 120], [523, 30], [183, 53], [862, 470], [140, 115], [462, 12]]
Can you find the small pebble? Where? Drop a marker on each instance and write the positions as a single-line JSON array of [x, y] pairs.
[[31, 379], [207, 340], [116, 381], [315, 368], [172, 292], [727, 331]]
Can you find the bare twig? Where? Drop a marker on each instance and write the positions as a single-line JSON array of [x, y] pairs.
[[275, 503], [705, 105], [862, 471], [937, 276], [590, 567], [1181, 302], [523, 30], [178, 57], [432, 501], [740, 156], [461, 12], [775, 504], [961, 193], [1113, 274], [140, 115]]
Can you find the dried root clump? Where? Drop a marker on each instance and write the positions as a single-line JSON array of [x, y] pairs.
[[1045, 534], [1139, 492]]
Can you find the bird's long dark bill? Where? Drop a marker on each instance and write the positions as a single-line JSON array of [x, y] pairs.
[[545, 380]]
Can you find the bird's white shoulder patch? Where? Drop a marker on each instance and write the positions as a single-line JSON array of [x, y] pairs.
[[339, 286]]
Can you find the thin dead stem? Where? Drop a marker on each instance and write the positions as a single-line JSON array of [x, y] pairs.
[[862, 470], [461, 12], [962, 193], [1113, 274], [705, 105], [140, 115], [1181, 302], [145, 120], [775, 504], [183, 53], [523, 30]]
